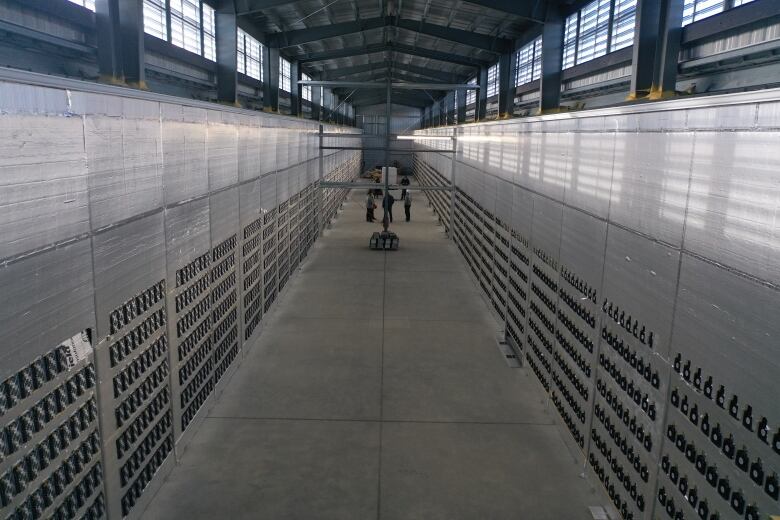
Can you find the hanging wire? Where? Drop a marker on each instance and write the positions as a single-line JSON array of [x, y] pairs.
[[315, 12]]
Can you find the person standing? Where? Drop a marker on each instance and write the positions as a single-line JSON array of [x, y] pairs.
[[387, 203], [404, 183], [370, 206], [408, 205]]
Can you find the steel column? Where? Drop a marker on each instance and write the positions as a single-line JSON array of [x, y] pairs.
[[656, 49], [316, 102], [270, 79], [461, 102], [227, 53], [481, 108], [668, 50], [296, 92], [388, 115], [107, 30], [552, 60], [646, 32], [120, 41], [506, 91]]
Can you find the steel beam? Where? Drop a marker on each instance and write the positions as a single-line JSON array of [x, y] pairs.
[[401, 86], [552, 60], [524, 10], [383, 75], [270, 79], [227, 42], [472, 39], [439, 56], [312, 34], [372, 186], [256, 6], [457, 59], [377, 99], [382, 66]]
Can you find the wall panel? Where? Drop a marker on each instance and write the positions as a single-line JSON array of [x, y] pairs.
[[642, 288], [136, 237]]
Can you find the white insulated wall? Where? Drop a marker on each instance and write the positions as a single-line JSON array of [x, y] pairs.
[[632, 255], [161, 228]]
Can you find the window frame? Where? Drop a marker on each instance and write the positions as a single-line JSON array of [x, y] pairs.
[[285, 86], [183, 24], [306, 88], [528, 62], [161, 7], [156, 9], [471, 94], [493, 74], [86, 4], [246, 63], [206, 35]]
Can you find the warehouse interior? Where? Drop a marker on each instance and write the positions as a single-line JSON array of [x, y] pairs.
[[576, 316]]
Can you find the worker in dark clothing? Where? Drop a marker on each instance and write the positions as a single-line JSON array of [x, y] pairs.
[[408, 205], [404, 182], [370, 205], [387, 204]]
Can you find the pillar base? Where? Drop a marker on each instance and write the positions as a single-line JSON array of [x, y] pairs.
[[639, 94], [656, 94], [112, 80], [556, 110], [140, 85]]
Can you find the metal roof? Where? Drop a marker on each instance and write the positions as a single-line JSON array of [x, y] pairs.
[[400, 40]]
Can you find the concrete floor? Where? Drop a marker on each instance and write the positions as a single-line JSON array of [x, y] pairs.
[[377, 391]]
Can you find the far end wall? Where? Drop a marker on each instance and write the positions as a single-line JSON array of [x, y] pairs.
[[404, 120]]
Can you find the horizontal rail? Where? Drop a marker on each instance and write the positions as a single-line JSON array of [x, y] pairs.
[[377, 186], [382, 149]]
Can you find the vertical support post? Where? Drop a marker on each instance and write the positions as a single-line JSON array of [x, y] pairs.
[[461, 97], [506, 94], [668, 50], [316, 101], [107, 30], [270, 79], [324, 106], [646, 32], [326, 102], [120, 41], [480, 111], [296, 89], [321, 167], [388, 115], [227, 53], [131, 39], [452, 182], [452, 105], [552, 60], [656, 48]]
